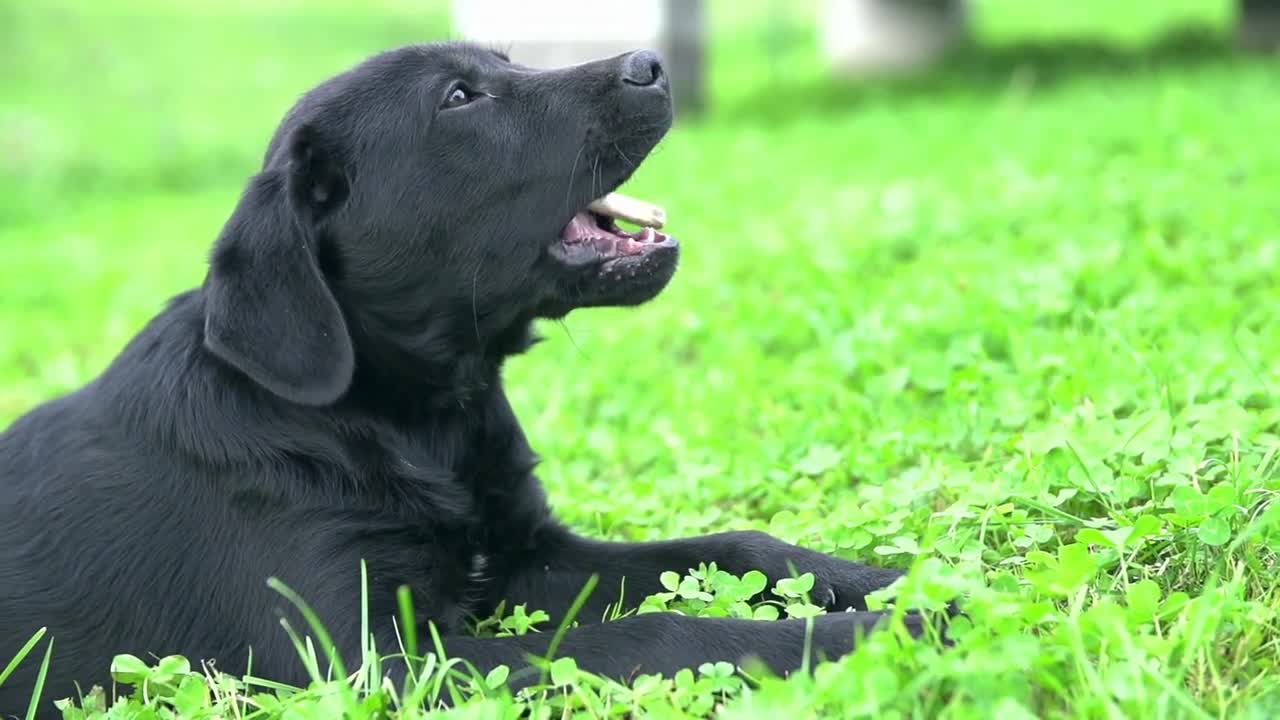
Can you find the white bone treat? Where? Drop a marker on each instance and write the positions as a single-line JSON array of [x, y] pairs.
[[623, 207]]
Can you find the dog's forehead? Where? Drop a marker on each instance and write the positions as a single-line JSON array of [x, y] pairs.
[[455, 58], [384, 79]]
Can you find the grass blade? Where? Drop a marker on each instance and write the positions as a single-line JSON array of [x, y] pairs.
[[587, 588], [313, 620], [404, 599], [17, 659], [39, 688]]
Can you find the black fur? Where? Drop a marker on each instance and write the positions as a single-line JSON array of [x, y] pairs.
[[332, 393]]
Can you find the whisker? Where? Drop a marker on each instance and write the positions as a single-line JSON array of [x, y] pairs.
[[565, 326], [573, 171], [624, 155], [595, 165], [475, 314]]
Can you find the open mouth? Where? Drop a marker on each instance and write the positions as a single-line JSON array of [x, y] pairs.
[[594, 234]]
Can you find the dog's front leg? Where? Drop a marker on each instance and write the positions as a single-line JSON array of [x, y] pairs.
[[561, 563], [666, 643]]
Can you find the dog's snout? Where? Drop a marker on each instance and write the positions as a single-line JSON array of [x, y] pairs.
[[642, 69]]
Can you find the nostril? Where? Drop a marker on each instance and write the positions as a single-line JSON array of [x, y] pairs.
[[655, 70], [642, 68]]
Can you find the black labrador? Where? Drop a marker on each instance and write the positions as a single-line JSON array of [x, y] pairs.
[[332, 393]]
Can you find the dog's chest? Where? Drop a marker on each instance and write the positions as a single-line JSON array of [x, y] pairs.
[[459, 488], [466, 520]]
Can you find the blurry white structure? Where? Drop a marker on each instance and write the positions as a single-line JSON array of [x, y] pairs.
[[555, 33], [867, 35], [857, 36]]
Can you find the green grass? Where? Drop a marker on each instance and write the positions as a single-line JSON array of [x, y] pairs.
[[1013, 321]]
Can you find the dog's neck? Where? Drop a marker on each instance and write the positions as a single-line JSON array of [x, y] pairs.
[[446, 365]]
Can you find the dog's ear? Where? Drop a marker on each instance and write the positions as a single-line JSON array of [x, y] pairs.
[[268, 309]]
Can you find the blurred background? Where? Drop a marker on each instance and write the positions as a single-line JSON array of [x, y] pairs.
[[881, 206], [109, 96], [986, 271]]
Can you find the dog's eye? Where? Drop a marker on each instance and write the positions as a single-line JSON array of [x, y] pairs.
[[460, 95]]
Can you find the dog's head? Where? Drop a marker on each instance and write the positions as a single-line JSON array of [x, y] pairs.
[[429, 201]]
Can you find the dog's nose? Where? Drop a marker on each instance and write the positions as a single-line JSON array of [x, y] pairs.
[[642, 69]]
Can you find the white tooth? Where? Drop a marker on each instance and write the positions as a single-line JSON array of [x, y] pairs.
[[622, 207]]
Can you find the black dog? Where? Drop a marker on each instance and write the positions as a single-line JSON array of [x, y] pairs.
[[332, 394]]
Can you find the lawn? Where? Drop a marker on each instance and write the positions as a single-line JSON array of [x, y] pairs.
[[1011, 323]]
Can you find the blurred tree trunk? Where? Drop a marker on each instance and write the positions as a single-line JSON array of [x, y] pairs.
[[686, 40], [1258, 25]]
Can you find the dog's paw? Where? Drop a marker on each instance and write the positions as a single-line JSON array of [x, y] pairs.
[[842, 585], [837, 584], [850, 586]]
